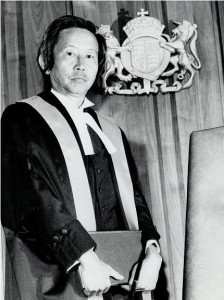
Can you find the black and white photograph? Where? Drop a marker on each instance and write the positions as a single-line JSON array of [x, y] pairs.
[[112, 150]]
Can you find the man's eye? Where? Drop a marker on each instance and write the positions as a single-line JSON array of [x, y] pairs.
[[70, 53], [90, 56]]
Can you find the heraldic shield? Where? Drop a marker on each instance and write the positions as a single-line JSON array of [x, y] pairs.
[[146, 59]]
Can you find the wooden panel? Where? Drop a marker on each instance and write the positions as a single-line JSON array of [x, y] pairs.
[[99, 12], [24, 23], [10, 59], [217, 9]]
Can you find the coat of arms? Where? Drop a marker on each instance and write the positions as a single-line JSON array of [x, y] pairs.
[[148, 57]]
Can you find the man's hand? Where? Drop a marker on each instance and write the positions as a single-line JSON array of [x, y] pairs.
[[149, 271], [95, 274]]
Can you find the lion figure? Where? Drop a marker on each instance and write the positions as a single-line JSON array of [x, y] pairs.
[[113, 64]]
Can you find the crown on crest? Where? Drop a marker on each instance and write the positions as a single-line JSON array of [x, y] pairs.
[[143, 26]]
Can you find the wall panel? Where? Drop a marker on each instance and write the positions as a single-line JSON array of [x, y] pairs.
[[217, 9], [23, 25], [10, 59], [157, 126]]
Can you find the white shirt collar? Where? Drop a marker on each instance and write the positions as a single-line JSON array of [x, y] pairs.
[[68, 101]]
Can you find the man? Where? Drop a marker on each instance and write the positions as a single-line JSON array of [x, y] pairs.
[[63, 176]]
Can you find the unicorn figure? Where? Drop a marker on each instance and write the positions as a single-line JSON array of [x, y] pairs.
[[181, 35]]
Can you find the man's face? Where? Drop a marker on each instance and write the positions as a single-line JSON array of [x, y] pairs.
[[75, 62]]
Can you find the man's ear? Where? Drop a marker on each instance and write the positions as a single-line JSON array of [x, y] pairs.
[[42, 64]]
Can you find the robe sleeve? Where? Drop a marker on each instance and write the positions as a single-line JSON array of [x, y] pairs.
[[33, 203], [149, 231]]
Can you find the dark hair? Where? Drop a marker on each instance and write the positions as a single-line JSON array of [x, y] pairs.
[[51, 38]]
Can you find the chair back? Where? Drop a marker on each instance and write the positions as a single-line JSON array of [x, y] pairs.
[[204, 249]]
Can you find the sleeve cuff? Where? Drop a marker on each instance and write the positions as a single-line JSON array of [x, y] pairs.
[[71, 242], [73, 265], [154, 243]]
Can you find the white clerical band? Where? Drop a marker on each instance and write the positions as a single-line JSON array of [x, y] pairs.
[[81, 119], [92, 123]]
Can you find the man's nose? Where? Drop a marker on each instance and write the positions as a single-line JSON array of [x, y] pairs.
[[80, 63]]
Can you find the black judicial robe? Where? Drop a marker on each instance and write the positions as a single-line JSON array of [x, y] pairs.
[[43, 235]]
